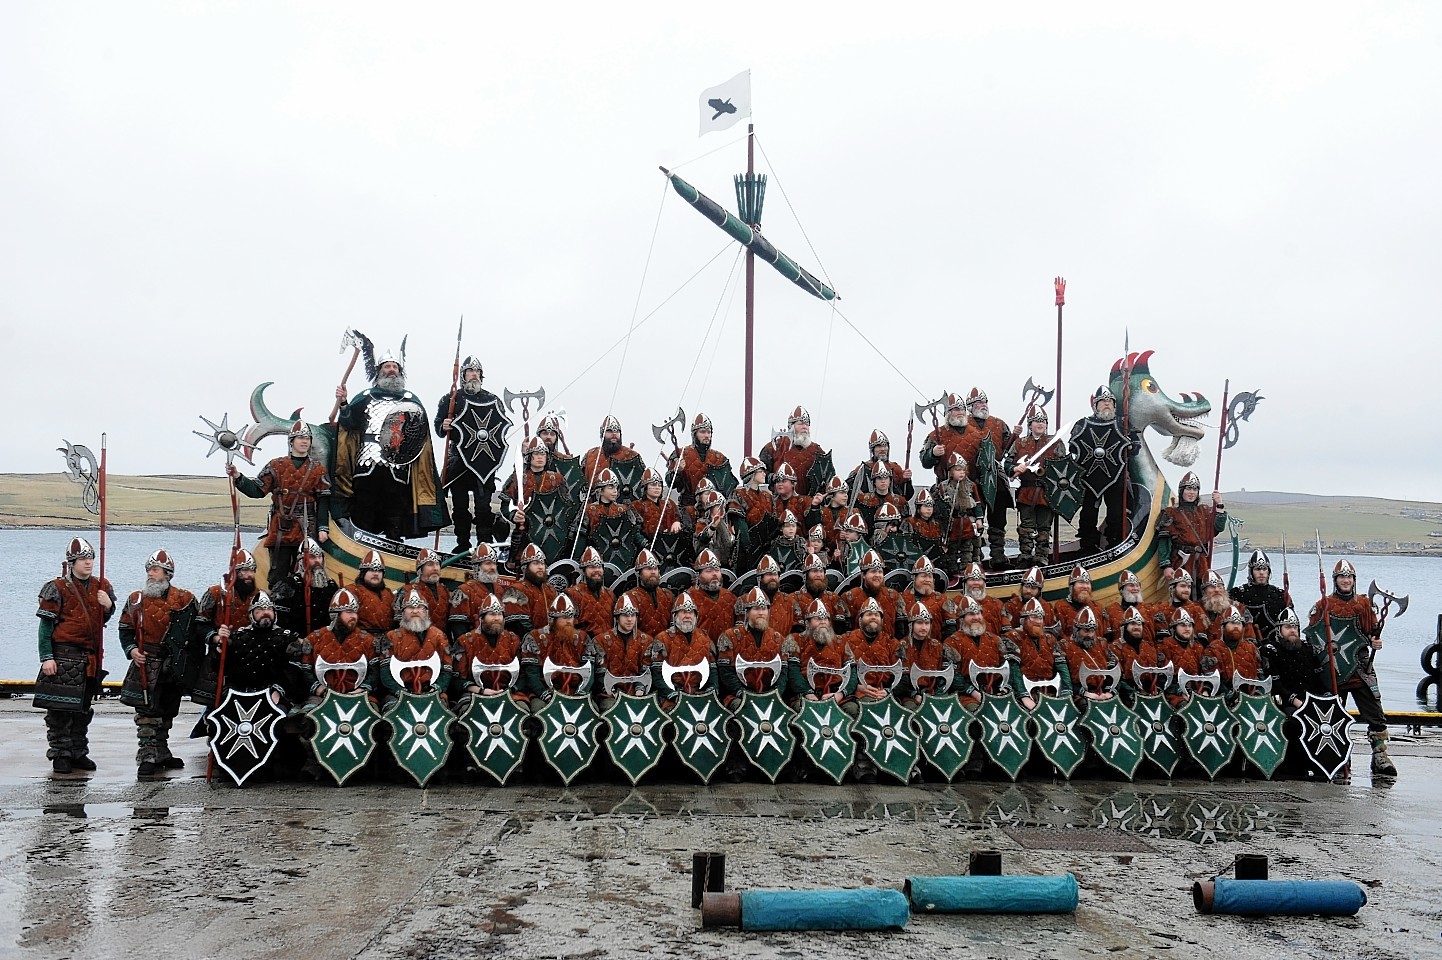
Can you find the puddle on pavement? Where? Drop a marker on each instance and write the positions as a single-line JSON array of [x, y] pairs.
[[97, 811]]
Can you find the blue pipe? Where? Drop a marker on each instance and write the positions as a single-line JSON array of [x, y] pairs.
[[823, 910], [993, 894], [1328, 898]]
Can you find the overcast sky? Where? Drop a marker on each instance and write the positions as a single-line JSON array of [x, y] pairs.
[[195, 198]]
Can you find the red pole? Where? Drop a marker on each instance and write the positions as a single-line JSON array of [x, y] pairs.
[[101, 648], [1221, 434], [1060, 284], [750, 295]]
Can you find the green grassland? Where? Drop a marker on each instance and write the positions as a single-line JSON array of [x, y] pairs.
[[1357, 519]]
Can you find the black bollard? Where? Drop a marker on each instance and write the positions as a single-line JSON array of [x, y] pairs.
[[984, 863], [708, 875], [1250, 866]]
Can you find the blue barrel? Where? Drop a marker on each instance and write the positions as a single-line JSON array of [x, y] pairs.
[[823, 910], [993, 894], [1297, 898]]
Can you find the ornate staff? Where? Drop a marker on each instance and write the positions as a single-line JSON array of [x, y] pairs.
[[221, 437], [450, 413], [81, 467], [1060, 284], [1326, 617]]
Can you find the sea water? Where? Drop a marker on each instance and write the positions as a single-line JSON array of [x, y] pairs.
[[29, 557]]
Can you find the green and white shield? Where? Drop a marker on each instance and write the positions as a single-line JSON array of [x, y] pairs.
[[569, 734], [628, 478], [887, 737], [1004, 733], [497, 735], [702, 737], [345, 735], [1116, 734], [826, 736], [1056, 721], [1260, 733], [549, 517], [1061, 485], [820, 474], [1209, 732], [635, 737], [420, 737], [944, 740], [1347, 643], [1159, 742], [986, 469], [766, 736]]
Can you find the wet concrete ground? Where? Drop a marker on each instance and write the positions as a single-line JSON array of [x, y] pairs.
[[100, 865]]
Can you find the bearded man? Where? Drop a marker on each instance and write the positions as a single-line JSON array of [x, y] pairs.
[[689, 467], [377, 601], [683, 644], [1185, 531], [623, 652], [416, 639], [302, 600], [432, 589], [1102, 451], [342, 641], [715, 605], [611, 451], [470, 496], [797, 449], [299, 491], [873, 587], [1130, 590], [1033, 582], [491, 645], [159, 636], [471, 597], [1263, 602]]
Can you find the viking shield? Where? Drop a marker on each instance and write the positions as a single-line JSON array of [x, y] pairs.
[[766, 736], [1326, 736], [1004, 733], [569, 732], [986, 469], [243, 732], [702, 737], [628, 478], [1116, 735], [887, 737], [497, 737], [1159, 742], [819, 474], [573, 472], [549, 517], [617, 539], [396, 432], [1259, 731], [1056, 720], [673, 550], [826, 736], [479, 437], [722, 478], [1348, 644], [421, 734], [1061, 484], [944, 740], [1208, 732], [345, 733], [635, 737]]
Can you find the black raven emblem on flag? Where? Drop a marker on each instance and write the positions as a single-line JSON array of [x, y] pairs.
[[720, 106]]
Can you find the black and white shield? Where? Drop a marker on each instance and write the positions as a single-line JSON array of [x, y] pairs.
[[480, 430], [243, 732], [1326, 736]]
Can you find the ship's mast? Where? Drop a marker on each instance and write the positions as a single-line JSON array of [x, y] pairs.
[[750, 274]]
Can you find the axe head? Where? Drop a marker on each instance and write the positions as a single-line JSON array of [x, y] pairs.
[[658, 430], [509, 396], [1031, 393], [348, 341], [1388, 599], [921, 410]]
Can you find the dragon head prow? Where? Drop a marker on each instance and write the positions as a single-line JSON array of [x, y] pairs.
[[1147, 405], [267, 424]]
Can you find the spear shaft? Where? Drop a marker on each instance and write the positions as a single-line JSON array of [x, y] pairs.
[[1222, 434], [1326, 617], [450, 413]]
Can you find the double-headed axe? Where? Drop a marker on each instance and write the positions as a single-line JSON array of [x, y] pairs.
[[929, 407], [347, 339], [660, 430], [509, 397], [1388, 601]]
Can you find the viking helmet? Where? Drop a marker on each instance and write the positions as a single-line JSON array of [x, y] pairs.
[[533, 445], [817, 532], [549, 422], [1079, 574], [788, 517], [372, 561], [591, 557], [835, 485], [683, 603], [426, 555], [887, 513], [973, 571], [799, 415], [344, 601], [471, 363], [813, 562], [749, 466], [1344, 568], [1037, 415], [767, 564], [531, 554], [561, 607], [1259, 561], [1033, 608], [1085, 619], [854, 522], [924, 497], [878, 438], [390, 357], [918, 611], [881, 469], [707, 560], [1035, 577], [755, 597], [955, 460], [922, 565], [1288, 619], [702, 422], [784, 471], [1214, 579], [1102, 393], [976, 396], [610, 423], [1180, 575], [493, 604], [1234, 615], [707, 499], [80, 549], [872, 561], [162, 560], [243, 560], [953, 401], [817, 609], [1182, 615], [414, 601], [261, 601], [645, 559], [1190, 481], [606, 478], [972, 608], [298, 430], [482, 553], [1133, 615], [649, 476], [1128, 579], [624, 604], [870, 606]]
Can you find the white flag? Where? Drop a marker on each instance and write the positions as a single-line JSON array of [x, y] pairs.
[[723, 105]]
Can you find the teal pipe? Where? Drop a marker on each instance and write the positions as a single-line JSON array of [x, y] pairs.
[[1295, 898], [823, 910], [987, 894]]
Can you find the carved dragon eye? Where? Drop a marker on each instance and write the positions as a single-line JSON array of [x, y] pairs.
[[1150, 385]]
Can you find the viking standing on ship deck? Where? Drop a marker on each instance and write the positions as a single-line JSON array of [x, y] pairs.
[[695, 463], [1102, 451], [74, 609], [1185, 531], [1035, 514], [995, 497], [385, 469], [299, 491], [611, 451], [880, 447], [472, 454], [797, 449], [156, 632]]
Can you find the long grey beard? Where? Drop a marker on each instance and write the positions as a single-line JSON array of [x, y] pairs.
[[396, 384], [802, 440], [1216, 606], [155, 588], [483, 577], [973, 630], [472, 387], [823, 635], [318, 578], [1183, 451], [418, 627]]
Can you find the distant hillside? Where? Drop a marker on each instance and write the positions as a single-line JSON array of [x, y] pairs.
[[1340, 520], [172, 502]]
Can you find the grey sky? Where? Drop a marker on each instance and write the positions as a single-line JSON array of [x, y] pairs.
[[197, 198]]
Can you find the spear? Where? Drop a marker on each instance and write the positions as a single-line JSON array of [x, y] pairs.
[[1060, 284], [1286, 578], [1126, 427], [910, 425], [1222, 434], [451, 412], [225, 588], [1326, 618], [100, 649]]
